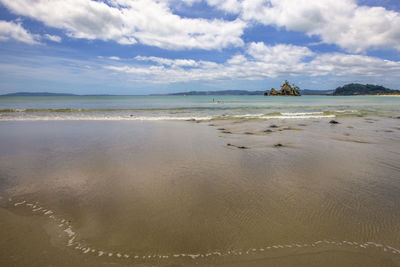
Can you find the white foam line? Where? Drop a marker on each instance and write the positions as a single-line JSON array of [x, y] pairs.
[[113, 118], [69, 232], [86, 249], [301, 113], [71, 241], [298, 117], [19, 203]]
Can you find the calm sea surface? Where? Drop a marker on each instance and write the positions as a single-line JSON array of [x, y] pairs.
[[189, 107]]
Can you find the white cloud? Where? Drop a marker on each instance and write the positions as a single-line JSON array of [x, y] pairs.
[[149, 22], [170, 62], [53, 38], [114, 58], [281, 53], [152, 22], [260, 62], [14, 31], [341, 22]]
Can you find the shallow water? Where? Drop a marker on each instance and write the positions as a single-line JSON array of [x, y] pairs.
[[174, 193], [191, 107]]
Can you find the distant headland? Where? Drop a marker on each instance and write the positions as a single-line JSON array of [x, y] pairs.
[[48, 94], [352, 89], [38, 94], [364, 89]]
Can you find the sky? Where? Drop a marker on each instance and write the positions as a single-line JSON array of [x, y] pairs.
[[164, 46]]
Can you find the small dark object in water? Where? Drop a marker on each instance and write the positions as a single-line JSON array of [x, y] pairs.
[[273, 126], [229, 144], [248, 133], [268, 131], [242, 147], [278, 145], [221, 129], [226, 132], [131, 115], [190, 120], [334, 122]]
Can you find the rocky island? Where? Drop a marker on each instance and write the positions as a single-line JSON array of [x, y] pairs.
[[286, 90]]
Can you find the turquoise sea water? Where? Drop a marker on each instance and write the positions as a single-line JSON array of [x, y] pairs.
[[191, 107]]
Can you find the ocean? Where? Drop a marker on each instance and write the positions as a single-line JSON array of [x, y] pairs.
[[191, 107]]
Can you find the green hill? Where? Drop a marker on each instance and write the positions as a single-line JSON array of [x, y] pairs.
[[364, 89]]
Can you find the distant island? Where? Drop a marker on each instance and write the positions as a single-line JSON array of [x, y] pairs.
[[286, 90], [364, 89]]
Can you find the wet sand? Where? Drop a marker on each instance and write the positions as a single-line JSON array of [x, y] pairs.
[[282, 193]]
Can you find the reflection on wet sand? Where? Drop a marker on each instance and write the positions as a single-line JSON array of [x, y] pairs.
[[170, 193]]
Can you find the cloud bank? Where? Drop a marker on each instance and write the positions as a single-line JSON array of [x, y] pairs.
[[152, 22], [131, 21], [260, 61]]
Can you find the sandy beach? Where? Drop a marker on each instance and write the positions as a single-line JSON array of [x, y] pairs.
[[299, 192]]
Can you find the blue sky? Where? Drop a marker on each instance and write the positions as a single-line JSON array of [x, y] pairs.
[[149, 46]]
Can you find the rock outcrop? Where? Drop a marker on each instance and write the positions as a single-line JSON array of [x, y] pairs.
[[286, 90]]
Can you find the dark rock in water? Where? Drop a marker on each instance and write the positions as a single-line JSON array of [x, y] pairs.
[[274, 126], [334, 122], [221, 129], [268, 131], [229, 144], [249, 133], [226, 132], [131, 115], [278, 145]]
